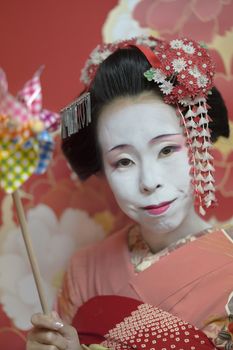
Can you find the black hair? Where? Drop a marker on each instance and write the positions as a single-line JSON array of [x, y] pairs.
[[121, 75]]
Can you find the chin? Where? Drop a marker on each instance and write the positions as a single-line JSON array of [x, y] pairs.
[[162, 226], [168, 222]]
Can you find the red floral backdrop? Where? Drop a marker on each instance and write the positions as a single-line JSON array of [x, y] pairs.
[[63, 214]]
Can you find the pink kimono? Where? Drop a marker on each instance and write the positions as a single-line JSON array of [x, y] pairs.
[[193, 282]]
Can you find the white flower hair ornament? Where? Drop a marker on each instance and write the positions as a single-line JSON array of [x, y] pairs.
[[183, 71], [101, 52]]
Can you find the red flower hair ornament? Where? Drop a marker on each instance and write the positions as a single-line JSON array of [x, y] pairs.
[[183, 71]]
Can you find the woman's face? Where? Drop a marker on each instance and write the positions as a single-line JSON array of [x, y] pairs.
[[146, 161]]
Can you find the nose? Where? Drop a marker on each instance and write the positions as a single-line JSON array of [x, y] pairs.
[[150, 179], [147, 189]]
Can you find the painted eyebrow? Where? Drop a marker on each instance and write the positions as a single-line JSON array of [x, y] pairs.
[[164, 136], [155, 139]]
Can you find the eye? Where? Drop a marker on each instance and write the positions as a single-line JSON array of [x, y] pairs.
[[168, 150], [124, 163]]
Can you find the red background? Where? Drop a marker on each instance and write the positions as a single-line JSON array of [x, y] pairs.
[[57, 33]]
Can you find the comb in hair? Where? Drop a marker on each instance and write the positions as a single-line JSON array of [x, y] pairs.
[[76, 115]]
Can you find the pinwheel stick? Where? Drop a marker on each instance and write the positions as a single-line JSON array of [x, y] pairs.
[[30, 251]]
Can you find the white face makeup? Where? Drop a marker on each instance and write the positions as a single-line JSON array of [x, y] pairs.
[[146, 162]]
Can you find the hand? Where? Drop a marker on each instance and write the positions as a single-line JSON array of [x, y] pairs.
[[51, 333]]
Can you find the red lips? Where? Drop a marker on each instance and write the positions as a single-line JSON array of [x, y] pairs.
[[163, 204], [159, 209]]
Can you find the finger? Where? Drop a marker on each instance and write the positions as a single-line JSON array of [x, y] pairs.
[[96, 347], [46, 321], [48, 338], [67, 331], [38, 346]]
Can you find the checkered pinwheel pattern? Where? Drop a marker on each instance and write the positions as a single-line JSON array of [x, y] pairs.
[[26, 146]]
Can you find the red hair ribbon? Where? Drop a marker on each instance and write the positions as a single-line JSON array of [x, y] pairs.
[[149, 54]]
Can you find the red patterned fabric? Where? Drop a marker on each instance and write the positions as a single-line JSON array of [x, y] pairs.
[[124, 323]]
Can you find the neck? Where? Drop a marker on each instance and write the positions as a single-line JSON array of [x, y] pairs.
[[191, 225]]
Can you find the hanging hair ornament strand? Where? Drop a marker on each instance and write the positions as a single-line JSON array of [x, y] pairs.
[[185, 76]]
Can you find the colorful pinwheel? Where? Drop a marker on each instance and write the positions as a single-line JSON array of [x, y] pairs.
[[26, 144], [26, 147]]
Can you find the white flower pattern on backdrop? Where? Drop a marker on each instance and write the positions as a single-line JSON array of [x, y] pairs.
[[54, 241], [120, 23]]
